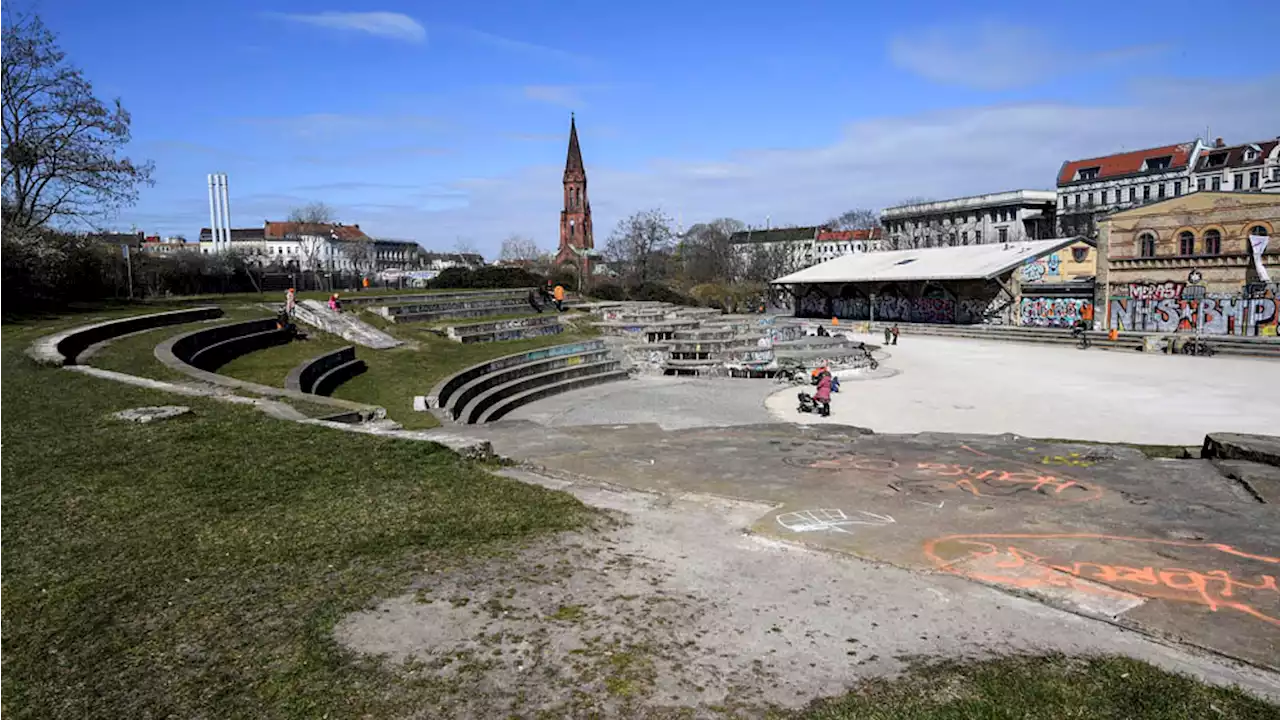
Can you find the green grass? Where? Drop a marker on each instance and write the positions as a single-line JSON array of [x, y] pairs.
[[1042, 688], [195, 567]]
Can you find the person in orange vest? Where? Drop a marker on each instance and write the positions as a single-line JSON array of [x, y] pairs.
[[365, 283], [559, 296], [1086, 316]]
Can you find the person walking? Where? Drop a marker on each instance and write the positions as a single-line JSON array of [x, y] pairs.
[[559, 297], [290, 301], [895, 334], [823, 395]]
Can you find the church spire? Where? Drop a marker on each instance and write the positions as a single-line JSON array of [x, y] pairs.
[[573, 163]]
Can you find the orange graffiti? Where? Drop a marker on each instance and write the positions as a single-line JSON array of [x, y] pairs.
[[854, 462], [997, 481], [996, 559]]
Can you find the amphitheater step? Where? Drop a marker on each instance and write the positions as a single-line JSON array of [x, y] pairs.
[[464, 394], [481, 406], [500, 330], [542, 391]]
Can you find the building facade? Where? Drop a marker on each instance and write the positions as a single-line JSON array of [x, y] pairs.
[[829, 244], [1251, 167], [993, 218], [1091, 188], [1187, 264], [321, 247], [576, 234]]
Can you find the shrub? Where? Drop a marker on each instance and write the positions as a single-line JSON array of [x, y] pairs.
[[652, 291], [612, 292], [488, 277]]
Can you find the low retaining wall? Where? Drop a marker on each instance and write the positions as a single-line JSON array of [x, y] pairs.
[[321, 375], [362, 299], [440, 394], [457, 406], [211, 348], [65, 348], [515, 329]]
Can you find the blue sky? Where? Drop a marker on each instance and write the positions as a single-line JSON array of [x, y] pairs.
[[443, 122]]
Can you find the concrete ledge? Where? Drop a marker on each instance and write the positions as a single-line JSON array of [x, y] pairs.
[[500, 409], [322, 374], [65, 347], [176, 352], [1263, 449], [362, 299], [468, 402], [440, 394], [513, 329]]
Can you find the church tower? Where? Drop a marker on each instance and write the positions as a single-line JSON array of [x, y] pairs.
[[575, 218]]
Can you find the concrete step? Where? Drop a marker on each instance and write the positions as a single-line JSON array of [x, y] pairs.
[[514, 329], [466, 393], [496, 401], [497, 411], [442, 393]]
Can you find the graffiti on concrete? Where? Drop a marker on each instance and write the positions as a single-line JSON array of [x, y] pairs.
[[814, 304], [1033, 271], [844, 461], [1152, 291], [1086, 563], [1051, 312], [993, 482], [936, 306], [1212, 315], [850, 307], [832, 519]]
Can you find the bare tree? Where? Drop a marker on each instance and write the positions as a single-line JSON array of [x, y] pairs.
[[766, 262], [857, 219], [641, 245], [312, 250], [363, 255], [706, 254], [60, 142], [520, 248], [315, 213]]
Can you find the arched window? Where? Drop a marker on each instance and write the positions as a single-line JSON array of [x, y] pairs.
[[1186, 243], [1212, 242], [1258, 230], [1147, 245], [570, 228]]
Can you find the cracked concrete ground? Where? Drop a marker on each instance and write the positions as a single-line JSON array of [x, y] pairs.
[[675, 606]]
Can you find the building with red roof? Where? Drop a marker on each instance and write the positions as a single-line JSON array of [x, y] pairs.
[[1096, 186], [1250, 167]]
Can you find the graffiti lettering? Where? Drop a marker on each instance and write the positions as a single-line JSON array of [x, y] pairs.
[[1052, 312], [986, 482], [1214, 316], [1155, 291], [832, 519], [1034, 270], [1004, 559]]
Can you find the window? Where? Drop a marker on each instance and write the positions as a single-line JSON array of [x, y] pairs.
[[1258, 230], [1003, 234], [1079, 254], [1217, 183], [964, 238], [1147, 245], [1159, 163], [1250, 155], [1237, 182], [1212, 242], [1177, 188], [1077, 200], [1146, 193], [977, 237], [1088, 174], [1275, 174], [1133, 194], [1253, 180], [1200, 184], [1090, 199], [1160, 190], [1186, 243]]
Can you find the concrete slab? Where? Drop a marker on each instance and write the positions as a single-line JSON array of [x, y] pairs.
[[962, 385], [1172, 548], [669, 402]]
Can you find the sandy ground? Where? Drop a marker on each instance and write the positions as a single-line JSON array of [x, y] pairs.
[[675, 606], [976, 386]]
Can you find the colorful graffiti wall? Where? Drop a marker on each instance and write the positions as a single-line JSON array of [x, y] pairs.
[[1052, 312], [935, 306], [1165, 307]]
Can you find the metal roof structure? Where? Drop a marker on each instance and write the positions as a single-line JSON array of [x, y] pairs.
[[965, 262]]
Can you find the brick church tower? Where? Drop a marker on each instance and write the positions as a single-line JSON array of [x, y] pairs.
[[575, 219]]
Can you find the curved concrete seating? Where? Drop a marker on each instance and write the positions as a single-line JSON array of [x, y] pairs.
[[195, 353], [552, 383], [464, 402], [363, 299], [214, 347], [491, 389], [461, 307], [322, 374], [66, 347]]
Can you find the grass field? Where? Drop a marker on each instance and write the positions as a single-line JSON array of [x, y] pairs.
[[194, 568]]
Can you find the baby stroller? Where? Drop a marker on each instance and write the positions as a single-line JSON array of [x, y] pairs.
[[810, 405]]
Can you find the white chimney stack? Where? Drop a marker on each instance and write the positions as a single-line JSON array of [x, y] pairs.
[[226, 214], [213, 216]]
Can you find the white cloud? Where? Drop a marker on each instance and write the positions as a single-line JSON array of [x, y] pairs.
[[520, 47], [995, 55], [566, 96], [875, 163], [391, 25]]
